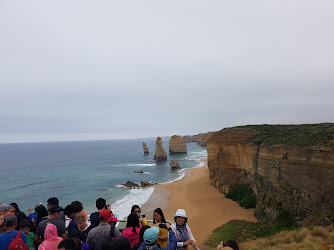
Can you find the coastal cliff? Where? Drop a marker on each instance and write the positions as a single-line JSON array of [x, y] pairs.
[[290, 169], [201, 138]]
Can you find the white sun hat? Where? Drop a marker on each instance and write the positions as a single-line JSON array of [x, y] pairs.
[[180, 213]]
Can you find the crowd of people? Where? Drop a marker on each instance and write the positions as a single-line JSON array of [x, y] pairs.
[[46, 229]]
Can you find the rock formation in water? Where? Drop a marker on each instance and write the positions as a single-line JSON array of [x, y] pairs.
[[144, 184], [177, 145], [138, 172], [286, 176], [160, 153], [174, 164], [131, 184], [146, 151]]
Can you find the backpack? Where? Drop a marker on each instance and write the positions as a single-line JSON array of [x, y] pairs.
[[17, 243], [111, 239]]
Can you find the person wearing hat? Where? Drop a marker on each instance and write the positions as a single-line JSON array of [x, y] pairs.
[[182, 230], [10, 234], [151, 236], [100, 234], [53, 218]]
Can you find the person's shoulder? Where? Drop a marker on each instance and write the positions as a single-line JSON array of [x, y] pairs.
[[56, 222], [42, 223], [95, 214]]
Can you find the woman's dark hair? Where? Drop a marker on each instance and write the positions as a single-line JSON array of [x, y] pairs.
[[159, 211], [186, 219], [141, 233], [15, 206], [101, 203], [77, 206], [41, 213], [232, 244], [134, 207], [133, 221]]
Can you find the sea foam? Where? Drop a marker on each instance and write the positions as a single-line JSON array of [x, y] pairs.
[[142, 165], [122, 207]]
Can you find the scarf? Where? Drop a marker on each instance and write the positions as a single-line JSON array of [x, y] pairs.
[[183, 232]]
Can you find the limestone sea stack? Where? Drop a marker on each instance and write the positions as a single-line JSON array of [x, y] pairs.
[[146, 151], [177, 145], [160, 153], [174, 164]]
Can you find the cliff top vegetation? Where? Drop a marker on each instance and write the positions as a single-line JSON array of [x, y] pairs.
[[302, 135]]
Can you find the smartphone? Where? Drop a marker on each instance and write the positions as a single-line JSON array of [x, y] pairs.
[[142, 216], [162, 225]]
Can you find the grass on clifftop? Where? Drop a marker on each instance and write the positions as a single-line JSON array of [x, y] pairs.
[[259, 236], [242, 231], [303, 135]]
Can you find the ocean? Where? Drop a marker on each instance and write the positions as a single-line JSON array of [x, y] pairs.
[[87, 170]]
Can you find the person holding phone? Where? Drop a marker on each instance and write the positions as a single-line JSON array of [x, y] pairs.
[[142, 220], [160, 222]]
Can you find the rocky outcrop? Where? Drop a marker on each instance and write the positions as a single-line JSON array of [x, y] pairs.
[[143, 184], [131, 184], [289, 180], [160, 153], [201, 138], [177, 145], [175, 164], [145, 148]]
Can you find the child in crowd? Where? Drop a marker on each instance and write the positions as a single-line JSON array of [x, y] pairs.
[[160, 222], [25, 228]]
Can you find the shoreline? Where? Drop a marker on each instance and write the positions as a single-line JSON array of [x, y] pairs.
[[205, 206]]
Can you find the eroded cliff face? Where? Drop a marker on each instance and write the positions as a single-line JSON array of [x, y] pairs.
[[298, 182]]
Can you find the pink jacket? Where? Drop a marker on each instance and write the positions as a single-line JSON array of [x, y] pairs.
[[52, 240], [132, 237]]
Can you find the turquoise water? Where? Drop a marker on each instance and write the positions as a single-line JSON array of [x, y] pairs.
[[85, 171]]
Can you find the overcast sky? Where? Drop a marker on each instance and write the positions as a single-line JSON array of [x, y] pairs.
[[81, 70]]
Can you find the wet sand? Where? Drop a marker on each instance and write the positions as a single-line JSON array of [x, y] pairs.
[[205, 206]]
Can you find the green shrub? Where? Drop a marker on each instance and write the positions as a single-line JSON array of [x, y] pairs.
[[243, 194]]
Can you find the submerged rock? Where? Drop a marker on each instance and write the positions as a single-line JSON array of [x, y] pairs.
[[138, 172], [174, 164], [160, 153], [177, 145], [146, 151]]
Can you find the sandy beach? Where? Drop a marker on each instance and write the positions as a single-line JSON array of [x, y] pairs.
[[205, 206]]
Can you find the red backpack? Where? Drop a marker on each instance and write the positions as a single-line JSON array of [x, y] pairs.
[[17, 243]]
